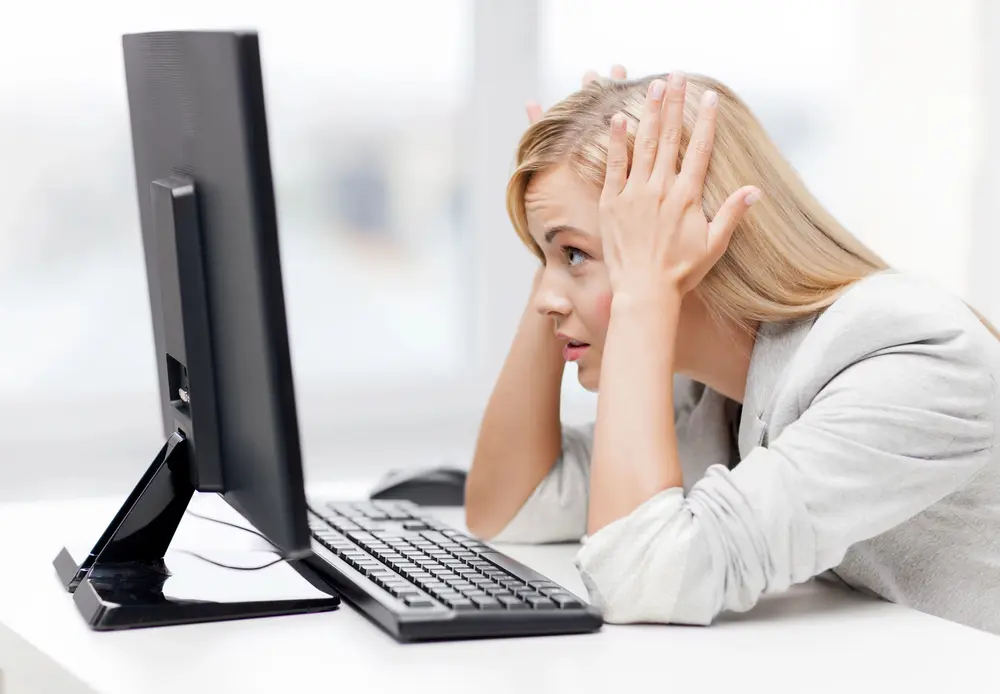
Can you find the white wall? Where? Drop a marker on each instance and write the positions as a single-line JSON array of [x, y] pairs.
[[915, 134]]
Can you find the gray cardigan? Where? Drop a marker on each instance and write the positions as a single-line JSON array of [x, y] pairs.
[[863, 452]]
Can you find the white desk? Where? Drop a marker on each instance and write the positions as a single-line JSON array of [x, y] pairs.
[[814, 639]]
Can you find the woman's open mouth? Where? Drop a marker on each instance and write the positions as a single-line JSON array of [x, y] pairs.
[[574, 350]]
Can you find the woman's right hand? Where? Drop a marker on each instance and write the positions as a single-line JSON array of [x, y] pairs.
[[534, 109]]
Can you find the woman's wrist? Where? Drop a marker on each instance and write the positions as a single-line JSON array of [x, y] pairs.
[[652, 301]]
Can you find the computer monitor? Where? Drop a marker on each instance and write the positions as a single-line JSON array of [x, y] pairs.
[[209, 230]]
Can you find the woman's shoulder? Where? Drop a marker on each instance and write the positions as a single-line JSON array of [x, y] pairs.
[[900, 345], [892, 308], [894, 335], [895, 293]]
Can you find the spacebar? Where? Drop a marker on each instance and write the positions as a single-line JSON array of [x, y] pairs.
[[514, 567]]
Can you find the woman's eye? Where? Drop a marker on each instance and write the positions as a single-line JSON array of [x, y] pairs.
[[574, 256]]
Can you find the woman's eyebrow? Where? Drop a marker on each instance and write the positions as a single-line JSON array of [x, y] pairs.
[[554, 231]]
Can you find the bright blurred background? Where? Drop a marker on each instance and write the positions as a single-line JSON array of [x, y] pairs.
[[393, 126]]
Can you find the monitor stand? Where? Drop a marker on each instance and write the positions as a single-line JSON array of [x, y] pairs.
[[120, 584]]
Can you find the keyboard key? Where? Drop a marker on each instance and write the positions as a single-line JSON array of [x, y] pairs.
[[512, 603], [541, 603], [434, 537], [487, 603], [418, 601], [552, 591], [515, 568], [565, 600], [461, 604]]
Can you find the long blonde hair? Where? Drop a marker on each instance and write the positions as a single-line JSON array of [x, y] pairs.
[[788, 259]]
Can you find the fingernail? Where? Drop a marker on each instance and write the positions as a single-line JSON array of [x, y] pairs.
[[752, 197], [656, 89], [676, 78], [710, 98], [618, 122]]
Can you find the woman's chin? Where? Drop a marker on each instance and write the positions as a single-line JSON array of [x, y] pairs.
[[589, 378]]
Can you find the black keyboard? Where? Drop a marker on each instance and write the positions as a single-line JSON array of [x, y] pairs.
[[422, 580]]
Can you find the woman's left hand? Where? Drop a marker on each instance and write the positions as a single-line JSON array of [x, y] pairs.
[[656, 238]]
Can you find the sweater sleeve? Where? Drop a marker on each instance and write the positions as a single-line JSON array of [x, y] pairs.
[[883, 440], [556, 511]]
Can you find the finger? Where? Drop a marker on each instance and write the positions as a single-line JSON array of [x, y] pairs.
[[534, 110], [648, 134], [720, 231], [665, 168], [590, 76], [618, 72], [617, 165], [699, 150]]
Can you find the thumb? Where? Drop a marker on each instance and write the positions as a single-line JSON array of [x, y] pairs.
[[728, 217]]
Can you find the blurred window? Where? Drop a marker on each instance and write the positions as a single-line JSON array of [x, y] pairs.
[[362, 114]]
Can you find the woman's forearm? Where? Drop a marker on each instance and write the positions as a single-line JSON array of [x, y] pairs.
[[521, 436], [635, 442]]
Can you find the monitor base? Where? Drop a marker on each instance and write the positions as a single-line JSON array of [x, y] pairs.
[[120, 583]]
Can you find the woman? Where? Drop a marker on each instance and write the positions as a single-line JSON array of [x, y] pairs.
[[775, 403]]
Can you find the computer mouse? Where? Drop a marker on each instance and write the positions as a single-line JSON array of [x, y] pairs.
[[436, 486]]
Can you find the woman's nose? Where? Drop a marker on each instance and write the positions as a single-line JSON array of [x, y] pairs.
[[549, 302]]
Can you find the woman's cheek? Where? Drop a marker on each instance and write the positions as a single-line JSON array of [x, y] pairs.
[[602, 308]]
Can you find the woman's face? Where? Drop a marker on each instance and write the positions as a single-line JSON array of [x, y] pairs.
[[574, 289]]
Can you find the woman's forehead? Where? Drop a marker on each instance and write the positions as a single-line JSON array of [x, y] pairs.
[[557, 190]]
